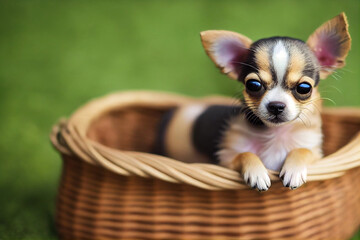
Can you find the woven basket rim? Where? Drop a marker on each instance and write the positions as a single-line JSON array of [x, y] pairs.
[[69, 138]]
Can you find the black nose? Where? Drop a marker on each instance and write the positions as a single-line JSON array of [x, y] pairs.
[[276, 107]]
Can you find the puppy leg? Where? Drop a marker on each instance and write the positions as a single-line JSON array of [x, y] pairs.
[[252, 170], [294, 171]]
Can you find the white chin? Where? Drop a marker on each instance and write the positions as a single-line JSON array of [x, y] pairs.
[[275, 122]]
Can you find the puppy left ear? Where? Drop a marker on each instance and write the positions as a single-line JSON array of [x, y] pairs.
[[331, 43], [228, 50]]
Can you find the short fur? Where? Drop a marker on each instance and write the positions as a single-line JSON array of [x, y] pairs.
[[278, 124]]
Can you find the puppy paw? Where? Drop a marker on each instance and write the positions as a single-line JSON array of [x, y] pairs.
[[252, 170], [293, 177], [257, 178]]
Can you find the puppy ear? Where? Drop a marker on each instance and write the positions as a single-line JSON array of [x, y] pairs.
[[227, 50], [331, 43]]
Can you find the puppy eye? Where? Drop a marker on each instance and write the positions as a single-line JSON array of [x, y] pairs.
[[303, 88], [253, 85]]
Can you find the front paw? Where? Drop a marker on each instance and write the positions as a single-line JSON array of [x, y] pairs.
[[252, 170], [293, 177], [257, 177]]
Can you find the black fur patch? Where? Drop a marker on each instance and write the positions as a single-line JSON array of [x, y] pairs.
[[162, 128], [209, 127]]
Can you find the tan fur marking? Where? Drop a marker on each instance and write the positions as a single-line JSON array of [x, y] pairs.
[[252, 102], [266, 77], [178, 140], [245, 160], [296, 66], [308, 80], [262, 61], [310, 110], [316, 104], [252, 76], [300, 156]]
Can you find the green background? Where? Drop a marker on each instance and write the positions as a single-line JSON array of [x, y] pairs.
[[56, 55]]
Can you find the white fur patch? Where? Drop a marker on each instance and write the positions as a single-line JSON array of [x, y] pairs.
[[294, 175], [278, 94], [280, 58], [257, 177], [271, 145]]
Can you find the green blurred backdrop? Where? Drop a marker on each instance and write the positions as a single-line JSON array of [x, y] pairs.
[[56, 55]]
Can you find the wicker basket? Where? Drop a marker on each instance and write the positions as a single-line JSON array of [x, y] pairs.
[[112, 187]]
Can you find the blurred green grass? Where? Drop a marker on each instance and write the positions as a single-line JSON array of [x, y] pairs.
[[56, 55]]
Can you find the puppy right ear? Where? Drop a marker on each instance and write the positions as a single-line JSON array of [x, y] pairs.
[[228, 50], [331, 43]]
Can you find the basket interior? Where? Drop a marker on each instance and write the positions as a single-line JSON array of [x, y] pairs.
[[131, 128], [135, 128]]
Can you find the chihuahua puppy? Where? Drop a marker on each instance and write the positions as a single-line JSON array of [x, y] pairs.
[[278, 124]]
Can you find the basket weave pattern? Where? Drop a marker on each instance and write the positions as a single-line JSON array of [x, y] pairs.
[[113, 187]]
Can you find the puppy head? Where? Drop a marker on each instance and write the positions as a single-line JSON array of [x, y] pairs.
[[280, 73]]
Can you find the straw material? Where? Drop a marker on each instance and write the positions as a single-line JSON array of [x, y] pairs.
[[113, 187]]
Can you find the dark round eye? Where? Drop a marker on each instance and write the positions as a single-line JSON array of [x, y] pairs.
[[253, 85], [303, 88]]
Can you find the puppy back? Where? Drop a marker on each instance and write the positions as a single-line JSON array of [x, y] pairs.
[[193, 133]]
